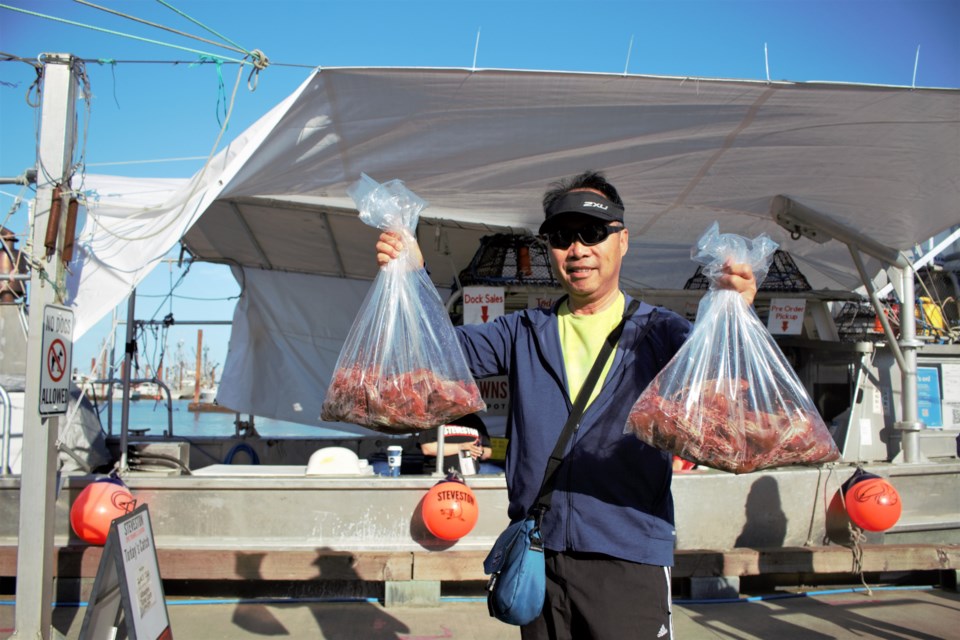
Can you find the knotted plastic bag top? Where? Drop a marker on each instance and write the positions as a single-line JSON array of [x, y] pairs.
[[388, 206], [729, 399], [714, 249], [401, 368]]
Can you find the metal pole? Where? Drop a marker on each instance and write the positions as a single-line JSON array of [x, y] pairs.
[[129, 348], [198, 374], [802, 220], [110, 373], [909, 425], [38, 494], [878, 308], [7, 409], [441, 444]]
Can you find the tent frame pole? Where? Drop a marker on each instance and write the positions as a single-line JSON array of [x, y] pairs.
[[801, 220]]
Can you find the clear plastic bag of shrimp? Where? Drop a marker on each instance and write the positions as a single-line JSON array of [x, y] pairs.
[[729, 399], [401, 369]]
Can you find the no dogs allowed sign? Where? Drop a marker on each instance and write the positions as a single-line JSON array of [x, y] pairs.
[[57, 352]]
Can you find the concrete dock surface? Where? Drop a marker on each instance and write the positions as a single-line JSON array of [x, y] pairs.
[[886, 613]]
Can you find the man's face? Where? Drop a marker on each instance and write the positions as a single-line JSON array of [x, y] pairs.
[[590, 274]]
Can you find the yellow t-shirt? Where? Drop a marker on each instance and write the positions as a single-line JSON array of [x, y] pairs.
[[581, 338]]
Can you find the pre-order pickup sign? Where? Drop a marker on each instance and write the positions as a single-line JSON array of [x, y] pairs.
[[57, 352]]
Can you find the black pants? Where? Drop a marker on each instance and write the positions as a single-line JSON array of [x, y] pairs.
[[596, 597]]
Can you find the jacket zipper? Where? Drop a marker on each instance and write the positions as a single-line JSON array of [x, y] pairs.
[[567, 542]]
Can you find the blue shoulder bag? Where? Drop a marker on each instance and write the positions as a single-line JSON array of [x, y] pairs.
[[518, 583]]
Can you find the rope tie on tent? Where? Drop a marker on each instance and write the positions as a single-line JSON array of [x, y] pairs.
[[260, 62], [221, 90], [257, 57]]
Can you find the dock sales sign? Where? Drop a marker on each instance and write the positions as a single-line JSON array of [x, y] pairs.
[[57, 352], [482, 304]]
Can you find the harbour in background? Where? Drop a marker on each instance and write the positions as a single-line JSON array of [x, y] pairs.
[[150, 418]]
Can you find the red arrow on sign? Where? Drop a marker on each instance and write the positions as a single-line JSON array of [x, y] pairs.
[[785, 324], [483, 312]]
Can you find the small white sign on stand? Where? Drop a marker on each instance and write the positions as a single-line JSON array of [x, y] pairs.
[[57, 353], [786, 316], [128, 582], [951, 394]]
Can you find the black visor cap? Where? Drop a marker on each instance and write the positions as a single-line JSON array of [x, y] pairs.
[[585, 203]]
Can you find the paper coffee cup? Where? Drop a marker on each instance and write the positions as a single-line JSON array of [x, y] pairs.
[[394, 453]]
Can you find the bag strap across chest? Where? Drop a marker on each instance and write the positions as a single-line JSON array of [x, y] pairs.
[[545, 495]]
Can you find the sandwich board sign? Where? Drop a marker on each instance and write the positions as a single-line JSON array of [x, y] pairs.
[[57, 348], [128, 585]]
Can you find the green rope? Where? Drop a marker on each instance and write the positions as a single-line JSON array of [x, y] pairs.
[[200, 24], [115, 33], [221, 92]]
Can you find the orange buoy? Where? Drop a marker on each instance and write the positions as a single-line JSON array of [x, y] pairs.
[[97, 506], [450, 509], [873, 504]]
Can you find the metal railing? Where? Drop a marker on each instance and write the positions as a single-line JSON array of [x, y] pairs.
[[111, 382]]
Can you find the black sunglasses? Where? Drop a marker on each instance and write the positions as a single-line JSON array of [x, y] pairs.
[[588, 236]]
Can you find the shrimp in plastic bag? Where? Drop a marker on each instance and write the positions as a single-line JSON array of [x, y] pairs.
[[729, 399], [401, 368]]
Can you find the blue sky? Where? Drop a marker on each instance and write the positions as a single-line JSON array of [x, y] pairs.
[[164, 111]]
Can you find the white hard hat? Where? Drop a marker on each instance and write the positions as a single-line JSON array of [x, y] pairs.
[[334, 461]]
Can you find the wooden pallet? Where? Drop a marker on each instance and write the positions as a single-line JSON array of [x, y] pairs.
[[458, 566]]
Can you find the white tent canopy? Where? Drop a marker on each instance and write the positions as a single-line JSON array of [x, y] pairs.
[[481, 146]]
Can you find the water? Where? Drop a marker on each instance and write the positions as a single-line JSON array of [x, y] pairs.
[[152, 415]]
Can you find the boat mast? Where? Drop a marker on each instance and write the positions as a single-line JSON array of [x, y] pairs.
[[38, 478], [198, 374]]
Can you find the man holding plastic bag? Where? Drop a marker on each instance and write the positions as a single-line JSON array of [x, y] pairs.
[[729, 399], [609, 533], [399, 370]]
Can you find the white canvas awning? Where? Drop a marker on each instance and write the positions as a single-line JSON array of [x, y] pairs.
[[481, 146]]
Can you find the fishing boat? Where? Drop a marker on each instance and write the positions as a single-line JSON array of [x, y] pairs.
[[479, 145]]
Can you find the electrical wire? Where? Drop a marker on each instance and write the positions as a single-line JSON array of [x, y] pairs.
[[203, 26], [112, 32], [160, 26], [256, 56], [154, 161], [198, 61], [35, 85], [196, 184], [137, 457]]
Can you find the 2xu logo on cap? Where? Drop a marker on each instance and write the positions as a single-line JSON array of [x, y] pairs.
[[596, 205]]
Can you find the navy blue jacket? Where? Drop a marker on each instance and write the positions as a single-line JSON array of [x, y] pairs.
[[612, 494]]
